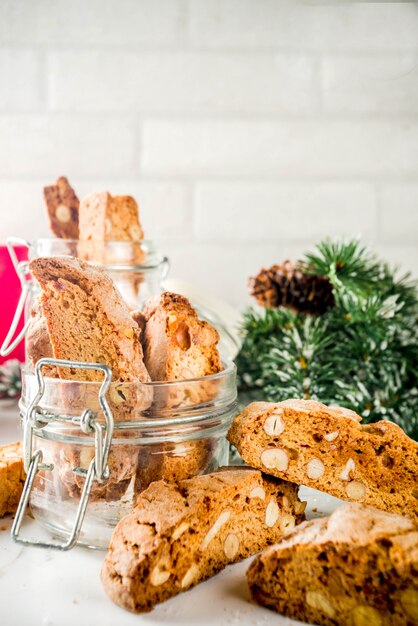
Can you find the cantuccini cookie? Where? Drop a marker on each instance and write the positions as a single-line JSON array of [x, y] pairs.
[[104, 217], [174, 462], [62, 206], [87, 319], [122, 463], [177, 344], [357, 567], [327, 448], [12, 477], [37, 341], [181, 534]]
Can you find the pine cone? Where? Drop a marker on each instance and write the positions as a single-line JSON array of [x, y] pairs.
[[286, 285]]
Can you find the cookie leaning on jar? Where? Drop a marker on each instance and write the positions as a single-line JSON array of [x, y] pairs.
[[88, 321], [180, 534], [328, 449]]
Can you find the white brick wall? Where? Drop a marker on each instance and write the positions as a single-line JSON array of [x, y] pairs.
[[247, 129]]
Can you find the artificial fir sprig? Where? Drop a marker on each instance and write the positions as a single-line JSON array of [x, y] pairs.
[[362, 353]]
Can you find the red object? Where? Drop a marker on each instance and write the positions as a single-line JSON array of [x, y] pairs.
[[10, 290]]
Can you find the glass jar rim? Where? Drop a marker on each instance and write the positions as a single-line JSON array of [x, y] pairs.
[[228, 371], [156, 259]]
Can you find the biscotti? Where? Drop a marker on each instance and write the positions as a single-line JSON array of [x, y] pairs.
[[87, 319], [38, 343], [175, 462], [104, 217], [12, 477], [37, 340], [328, 449], [357, 567], [111, 235], [62, 207], [177, 345], [181, 534], [122, 463]]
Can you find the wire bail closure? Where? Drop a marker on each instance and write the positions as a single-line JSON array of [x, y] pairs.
[[21, 267], [37, 418]]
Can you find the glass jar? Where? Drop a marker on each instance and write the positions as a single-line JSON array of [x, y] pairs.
[[102, 444]]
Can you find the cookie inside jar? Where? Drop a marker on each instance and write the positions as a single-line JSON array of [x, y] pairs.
[[171, 398]]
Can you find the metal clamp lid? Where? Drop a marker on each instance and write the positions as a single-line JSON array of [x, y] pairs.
[[37, 418], [21, 267]]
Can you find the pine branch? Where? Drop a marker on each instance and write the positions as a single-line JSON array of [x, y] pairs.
[[347, 265]]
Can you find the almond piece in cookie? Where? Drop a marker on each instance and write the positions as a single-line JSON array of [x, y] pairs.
[[354, 568], [327, 448], [180, 534], [12, 477], [62, 206]]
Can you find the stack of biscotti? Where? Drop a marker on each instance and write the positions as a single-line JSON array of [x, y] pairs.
[[12, 477], [180, 534], [329, 449], [88, 321], [357, 567]]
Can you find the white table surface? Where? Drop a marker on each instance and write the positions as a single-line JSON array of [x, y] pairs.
[[49, 588]]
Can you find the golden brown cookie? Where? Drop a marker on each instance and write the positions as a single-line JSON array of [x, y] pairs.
[[104, 217], [87, 319], [12, 477], [327, 448], [357, 567], [177, 345], [111, 234], [62, 206], [181, 534]]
